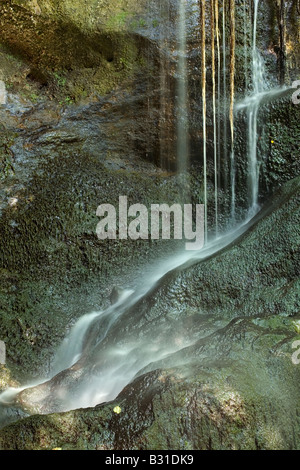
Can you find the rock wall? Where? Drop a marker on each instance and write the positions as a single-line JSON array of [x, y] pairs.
[[86, 120]]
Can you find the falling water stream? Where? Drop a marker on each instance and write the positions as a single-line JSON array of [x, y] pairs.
[[231, 111], [182, 118], [260, 93], [125, 361]]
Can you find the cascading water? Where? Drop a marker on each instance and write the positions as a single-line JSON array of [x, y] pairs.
[[84, 374], [261, 93], [182, 119], [204, 131], [225, 106], [218, 151], [259, 85], [212, 22], [111, 368]]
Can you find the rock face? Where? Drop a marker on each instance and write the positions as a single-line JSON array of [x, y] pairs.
[[90, 113]]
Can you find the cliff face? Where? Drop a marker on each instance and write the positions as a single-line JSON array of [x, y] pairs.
[[235, 386], [90, 114], [77, 51]]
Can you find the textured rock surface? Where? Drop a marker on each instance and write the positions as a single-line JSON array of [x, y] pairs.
[[235, 387], [82, 122]]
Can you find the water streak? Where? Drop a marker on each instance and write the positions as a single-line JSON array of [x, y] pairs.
[[219, 107], [212, 20], [224, 51], [259, 85], [126, 359], [203, 52], [182, 99], [231, 113]]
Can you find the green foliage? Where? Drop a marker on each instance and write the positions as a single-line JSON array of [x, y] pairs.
[[60, 79]]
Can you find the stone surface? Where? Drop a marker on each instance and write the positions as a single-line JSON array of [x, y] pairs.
[[234, 387], [82, 124]]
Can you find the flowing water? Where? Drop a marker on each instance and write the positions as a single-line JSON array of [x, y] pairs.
[[124, 360], [225, 105], [231, 111], [261, 93]]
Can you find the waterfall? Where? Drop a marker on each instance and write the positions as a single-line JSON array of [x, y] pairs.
[[232, 85], [224, 49], [69, 351], [126, 359], [258, 84], [102, 374], [245, 46], [260, 93], [214, 108], [218, 170], [182, 99], [203, 53]]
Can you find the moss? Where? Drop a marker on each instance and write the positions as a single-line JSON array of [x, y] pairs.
[[203, 408], [65, 52], [6, 379]]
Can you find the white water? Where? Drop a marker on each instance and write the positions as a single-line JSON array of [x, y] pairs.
[[129, 358], [3, 93], [261, 93], [245, 45], [124, 361], [204, 129], [259, 85], [182, 98], [214, 31], [224, 50]]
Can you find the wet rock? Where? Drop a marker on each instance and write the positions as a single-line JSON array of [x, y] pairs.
[[116, 294], [66, 143], [200, 314], [226, 405]]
